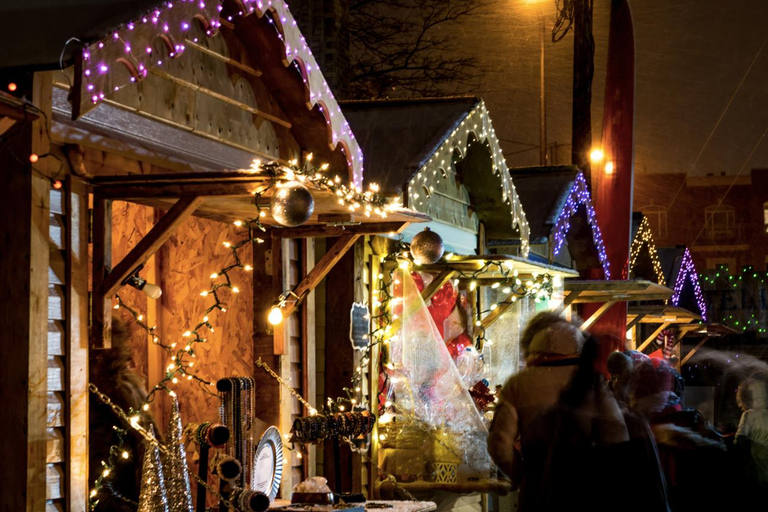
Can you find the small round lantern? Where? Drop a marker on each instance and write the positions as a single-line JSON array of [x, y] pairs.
[[427, 247], [292, 204]]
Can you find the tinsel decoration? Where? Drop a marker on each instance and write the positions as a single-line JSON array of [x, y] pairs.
[[292, 204], [427, 247], [153, 496], [177, 472]]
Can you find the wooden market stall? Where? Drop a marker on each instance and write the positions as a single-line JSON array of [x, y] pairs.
[[138, 156], [559, 209], [442, 158]]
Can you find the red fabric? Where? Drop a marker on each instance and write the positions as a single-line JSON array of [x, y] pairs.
[[612, 193]]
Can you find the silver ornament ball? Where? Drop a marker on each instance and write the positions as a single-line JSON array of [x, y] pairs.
[[427, 247], [292, 204]]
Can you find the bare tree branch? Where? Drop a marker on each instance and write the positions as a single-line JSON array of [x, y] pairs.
[[405, 48]]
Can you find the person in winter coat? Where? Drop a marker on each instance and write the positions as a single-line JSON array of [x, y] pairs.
[[752, 434], [693, 455], [552, 356], [582, 453]]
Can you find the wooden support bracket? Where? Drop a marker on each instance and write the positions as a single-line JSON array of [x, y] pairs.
[[603, 309], [652, 337], [318, 273], [148, 245], [572, 296], [495, 315], [693, 351], [635, 321]]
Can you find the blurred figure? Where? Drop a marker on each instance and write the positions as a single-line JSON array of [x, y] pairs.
[[583, 453], [692, 454], [752, 434], [552, 346], [110, 371]]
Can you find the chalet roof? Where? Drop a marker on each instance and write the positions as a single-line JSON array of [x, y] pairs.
[[414, 141], [110, 39], [399, 136], [637, 220], [543, 192], [671, 258]]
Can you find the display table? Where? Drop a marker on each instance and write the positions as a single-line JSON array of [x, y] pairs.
[[370, 506]]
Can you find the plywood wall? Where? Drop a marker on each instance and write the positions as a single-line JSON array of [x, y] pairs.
[[183, 268]]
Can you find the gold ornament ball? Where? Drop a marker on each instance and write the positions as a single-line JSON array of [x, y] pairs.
[[427, 247], [292, 204]]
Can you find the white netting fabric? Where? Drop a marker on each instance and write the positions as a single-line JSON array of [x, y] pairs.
[[426, 388]]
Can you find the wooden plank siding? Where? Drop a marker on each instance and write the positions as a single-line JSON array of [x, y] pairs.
[[57, 334]]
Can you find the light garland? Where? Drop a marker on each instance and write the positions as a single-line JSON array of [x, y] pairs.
[[644, 238], [181, 357], [369, 203], [749, 277], [687, 269], [130, 48], [477, 123], [579, 196]]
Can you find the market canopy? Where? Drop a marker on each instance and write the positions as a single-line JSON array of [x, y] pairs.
[[609, 293], [662, 315]]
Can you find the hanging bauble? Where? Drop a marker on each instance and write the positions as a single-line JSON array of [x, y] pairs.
[[292, 204], [176, 469], [153, 496], [427, 247]]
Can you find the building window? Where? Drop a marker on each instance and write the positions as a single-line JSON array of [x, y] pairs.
[[765, 216], [657, 218], [721, 221]]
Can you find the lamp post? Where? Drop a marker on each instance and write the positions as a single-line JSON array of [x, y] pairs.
[[539, 6]]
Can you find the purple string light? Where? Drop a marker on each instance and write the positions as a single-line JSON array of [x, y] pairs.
[[687, 268], [580, 196]]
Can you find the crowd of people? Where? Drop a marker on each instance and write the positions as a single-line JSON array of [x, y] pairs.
[[574, 432]]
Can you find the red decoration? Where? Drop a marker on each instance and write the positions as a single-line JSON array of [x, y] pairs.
[[458, 345], [442, 304], [481, 395]]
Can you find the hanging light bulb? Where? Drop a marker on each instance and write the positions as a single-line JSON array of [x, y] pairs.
[[152, 291], [275, 315]]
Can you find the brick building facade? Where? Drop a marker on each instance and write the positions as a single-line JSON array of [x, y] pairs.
[[722, 219]]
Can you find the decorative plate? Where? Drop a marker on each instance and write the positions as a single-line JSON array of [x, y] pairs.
[[268, 463]]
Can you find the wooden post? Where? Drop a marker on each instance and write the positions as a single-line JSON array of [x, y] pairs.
[[24, 220], [77, 344], [101, 315]]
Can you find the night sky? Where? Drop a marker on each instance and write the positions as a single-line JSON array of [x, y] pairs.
[[691, 56]]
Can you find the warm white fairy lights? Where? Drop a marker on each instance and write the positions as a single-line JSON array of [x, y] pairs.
[[478, 124], [644, 238]]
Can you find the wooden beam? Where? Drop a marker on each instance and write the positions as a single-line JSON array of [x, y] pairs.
[[652, 337], [318, 273], [101, 232], [572, 296], [5, 124], [76, 214], [495, 314], [638, 318], [603, 309], [693, 350], [328, 231], [148, 245]]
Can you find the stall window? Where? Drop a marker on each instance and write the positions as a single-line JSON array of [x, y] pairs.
[[720, 221], [765, 216], [657, 218]]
